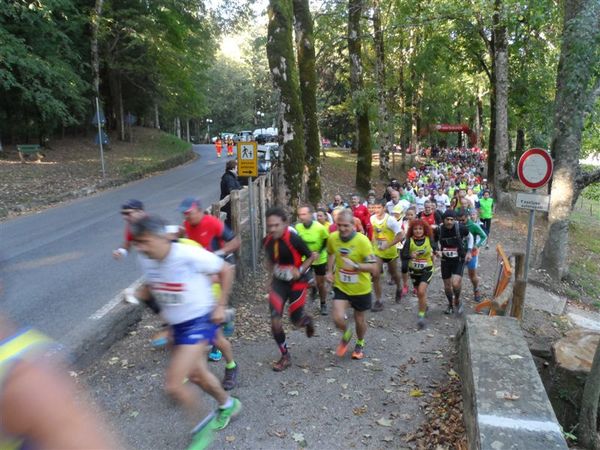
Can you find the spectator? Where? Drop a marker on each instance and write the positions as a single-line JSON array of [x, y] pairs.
[[229, 182]]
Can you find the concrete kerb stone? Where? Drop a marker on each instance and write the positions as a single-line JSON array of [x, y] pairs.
[[505, 403]]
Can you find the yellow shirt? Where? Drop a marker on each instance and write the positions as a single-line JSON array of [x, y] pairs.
[[359, 250], [384, 231]]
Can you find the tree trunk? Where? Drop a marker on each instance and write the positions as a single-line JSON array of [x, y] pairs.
[[359, 97], [280, 52], [121, 111], [187, 130], [385, 133], [588, 418], [520, 145], [573, 97], [94, 22], [305, 48], [156, 117], [479, 121], [501, 147]]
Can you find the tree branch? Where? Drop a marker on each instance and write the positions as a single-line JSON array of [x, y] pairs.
[[587, 178]]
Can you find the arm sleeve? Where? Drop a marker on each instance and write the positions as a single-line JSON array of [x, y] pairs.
[[405, 252]]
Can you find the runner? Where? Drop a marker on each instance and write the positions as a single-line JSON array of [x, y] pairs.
[[131, 211], [441, 200], [315, 237], [386, 234], [431, 215], [411, 214], [479, 239], [486, 213], [451, 238], [360, 211], [287, 280], [179, 277], [219, 147], [351, 255], [214, 236], [40, 406], [420, 200], [419, 250]]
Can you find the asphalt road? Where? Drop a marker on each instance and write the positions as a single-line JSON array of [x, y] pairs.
[[58, 265]]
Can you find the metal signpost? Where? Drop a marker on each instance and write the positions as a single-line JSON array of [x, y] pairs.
[[247, 156], [99, 121], [534, 170]]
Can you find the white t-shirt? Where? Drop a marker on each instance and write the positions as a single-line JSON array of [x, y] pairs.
[[181, 282], [441, 202], [420, 203]]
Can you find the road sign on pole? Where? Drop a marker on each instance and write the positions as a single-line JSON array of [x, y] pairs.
[[534, 170], [247, 157]]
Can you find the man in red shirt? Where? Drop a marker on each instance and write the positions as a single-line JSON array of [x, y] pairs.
[[214, 236], [360, 211]]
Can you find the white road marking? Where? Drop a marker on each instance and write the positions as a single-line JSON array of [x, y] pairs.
[[547, 426], [114, 302]]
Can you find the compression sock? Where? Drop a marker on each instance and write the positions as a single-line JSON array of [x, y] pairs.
[[347, 335], [449, 296], [230, 365], [279, 336], [360, 342], [421, 314]]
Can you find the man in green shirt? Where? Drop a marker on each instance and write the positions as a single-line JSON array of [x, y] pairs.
[[315, 237], [486, 212], [479, 239]]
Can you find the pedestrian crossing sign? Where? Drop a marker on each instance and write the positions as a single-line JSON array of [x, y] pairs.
[[247, 159]]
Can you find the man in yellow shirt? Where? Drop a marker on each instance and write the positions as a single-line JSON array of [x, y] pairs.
[[351, 255], [386, 234], [315, 237]]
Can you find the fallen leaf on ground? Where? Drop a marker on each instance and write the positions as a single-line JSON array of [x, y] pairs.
[[416, 393], [330, 380], [513, 357], [453, 374], [359, 411], [230, 438], [299, 438], [384, 422], [511, 396], [387, 439], [293, 393]]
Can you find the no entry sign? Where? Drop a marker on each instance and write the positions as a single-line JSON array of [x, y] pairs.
[[535, 168]]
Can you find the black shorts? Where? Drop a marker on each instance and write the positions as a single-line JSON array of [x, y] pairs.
[[357, 302], [281, 292], [454, 266], [421, 276], [388, 260], [320, 269]]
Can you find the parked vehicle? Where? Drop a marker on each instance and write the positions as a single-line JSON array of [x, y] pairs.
[[266, 154], [244, 136]]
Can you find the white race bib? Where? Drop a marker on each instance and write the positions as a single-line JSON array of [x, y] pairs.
[[168, 298], [420, 264], [450, 252], [283, 273], [348, 277], [380, 244]]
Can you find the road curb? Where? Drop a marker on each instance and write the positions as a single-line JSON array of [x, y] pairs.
[[109, 325]]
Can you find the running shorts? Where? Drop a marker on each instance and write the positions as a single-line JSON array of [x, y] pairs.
[[190, 332], [454, 266], [320, 269], [472, 265], [421, 276], [282, 291], [387, 260], [357, 302]]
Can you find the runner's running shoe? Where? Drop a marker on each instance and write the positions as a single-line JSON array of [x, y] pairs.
[[284, 362], [342, 347], [230, 379], [449, 310], [421, 323], [215, 354], [224, 415], [323, 309], [377, 306], [459, 309], [404, 290], [202, 439], [477, 296], [358, 352]]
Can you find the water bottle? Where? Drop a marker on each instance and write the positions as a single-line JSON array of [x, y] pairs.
[[228, 324]]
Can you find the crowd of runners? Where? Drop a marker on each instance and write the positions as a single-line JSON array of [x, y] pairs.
[[442, 211]]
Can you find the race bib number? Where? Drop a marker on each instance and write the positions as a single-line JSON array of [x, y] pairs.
[[168, 298], [450, 252], [283, 273], [420, 264], [348, 277], [381, 244]]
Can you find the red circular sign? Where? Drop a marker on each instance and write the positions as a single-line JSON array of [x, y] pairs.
[[535, 168]]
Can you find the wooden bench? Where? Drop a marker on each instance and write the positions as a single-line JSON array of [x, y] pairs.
[[29, 149]]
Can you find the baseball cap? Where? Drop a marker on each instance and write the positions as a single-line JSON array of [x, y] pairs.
[[188, 203], [398, 209], [132, 204], [449, 213]]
